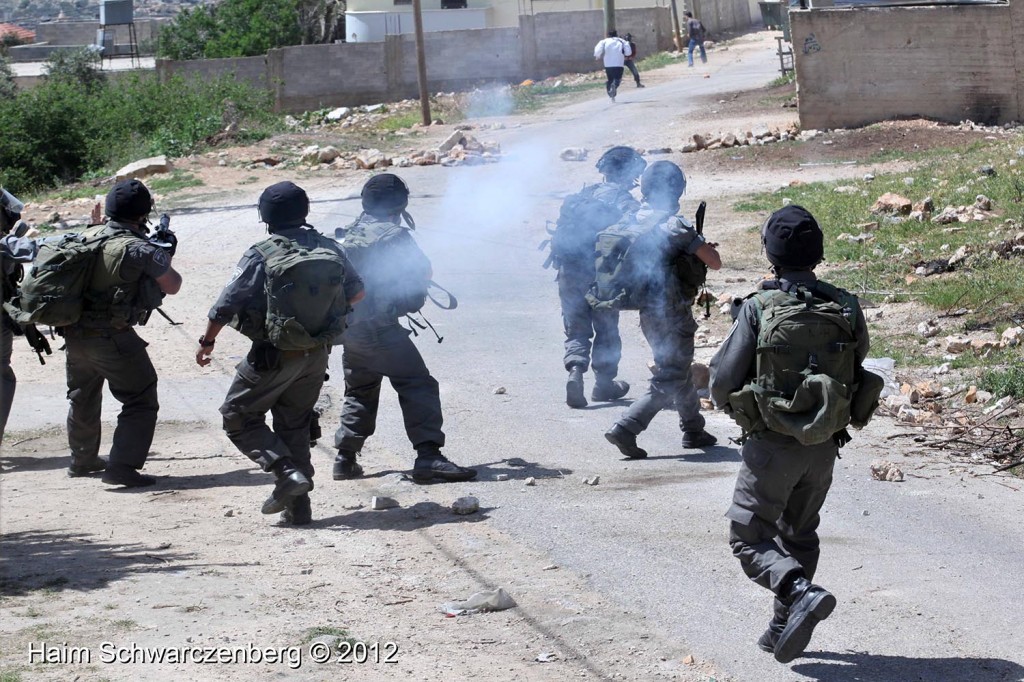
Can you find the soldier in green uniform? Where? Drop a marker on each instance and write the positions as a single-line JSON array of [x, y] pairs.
[[128, 282]]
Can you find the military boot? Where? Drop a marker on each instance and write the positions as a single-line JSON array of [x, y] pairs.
[[432, 466], [346, 466], [298, 512], [574, 396], [120, 474], [694, 440], [625, 441], [78, 469], [770, 637], [808, 605], [290, 484], [606, 389]]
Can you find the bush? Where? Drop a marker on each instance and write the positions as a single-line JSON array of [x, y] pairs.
[[60, 130], [81, 66], [7, 87], [1004, 382]]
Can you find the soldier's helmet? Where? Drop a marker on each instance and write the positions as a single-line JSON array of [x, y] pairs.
[[128, 200], [663, 180], [284, 205], [385, 194], [792, 238], [621, 162]]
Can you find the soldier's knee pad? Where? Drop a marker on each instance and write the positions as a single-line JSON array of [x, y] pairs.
[[234, 423]]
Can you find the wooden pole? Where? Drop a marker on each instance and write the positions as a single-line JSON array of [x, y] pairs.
[[675, 27], [609, 16], [421, 62]]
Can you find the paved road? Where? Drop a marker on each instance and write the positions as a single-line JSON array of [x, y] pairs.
[[927, 572]]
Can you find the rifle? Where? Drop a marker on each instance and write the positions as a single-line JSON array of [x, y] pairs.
[[164, 237], [700, 230], [37, 341]]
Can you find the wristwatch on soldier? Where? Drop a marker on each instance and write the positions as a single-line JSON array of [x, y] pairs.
[[206, 344]]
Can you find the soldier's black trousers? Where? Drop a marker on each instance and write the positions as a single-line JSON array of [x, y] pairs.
[[119, 358], [371, 353], [8, 381]]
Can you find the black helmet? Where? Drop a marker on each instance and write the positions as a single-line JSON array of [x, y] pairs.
[[10, 211], [283, 205], [663, 180], [129, 200], [621, 162], [792, 238], [385, 194]]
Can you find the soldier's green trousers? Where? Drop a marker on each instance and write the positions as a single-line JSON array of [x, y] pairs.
[[118, 357], [284, 383], [583, 324]]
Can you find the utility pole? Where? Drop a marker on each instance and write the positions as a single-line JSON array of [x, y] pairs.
[[421, 61], [609, 16], [675, 27]]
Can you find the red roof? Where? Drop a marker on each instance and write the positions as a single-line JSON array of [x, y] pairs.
[[23, 34]]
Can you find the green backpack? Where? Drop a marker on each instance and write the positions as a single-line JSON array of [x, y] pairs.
[[395, 271], [806, 368], [631, 267], [55, 288], [306, 305]]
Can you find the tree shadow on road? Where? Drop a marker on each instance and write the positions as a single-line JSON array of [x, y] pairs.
[[416, 517], [865, 667], [32, 561]]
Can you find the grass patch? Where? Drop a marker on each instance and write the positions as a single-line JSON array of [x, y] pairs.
[[658, 60], [785, 79], [528, 98], [991, 288], [173, 182], [400, 121], [10, 676], [125, 624], [1006, 381]]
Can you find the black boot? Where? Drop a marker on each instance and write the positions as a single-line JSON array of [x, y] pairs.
[[695, 440], [346, 466], [432, 466], [94, 466], [120, 474], [808, 605], [606, 389], [768, 640], [574, 396], [290, 484], [625, 441], [298, 512]]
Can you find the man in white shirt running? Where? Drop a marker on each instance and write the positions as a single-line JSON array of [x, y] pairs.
[[614, 50]]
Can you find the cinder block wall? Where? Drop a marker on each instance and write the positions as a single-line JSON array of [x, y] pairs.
[[318, 76], [251, 70], [84, 32], [949, 63]]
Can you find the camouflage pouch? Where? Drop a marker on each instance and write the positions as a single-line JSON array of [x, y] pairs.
[[865, 399], [744, 410]]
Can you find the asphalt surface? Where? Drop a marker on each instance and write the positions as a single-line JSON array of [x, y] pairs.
[[927, 572]]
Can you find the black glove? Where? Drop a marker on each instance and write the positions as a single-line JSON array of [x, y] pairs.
[[166, 240]]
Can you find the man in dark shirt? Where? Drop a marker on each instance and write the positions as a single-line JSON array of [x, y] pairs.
[[283, 382], [631, 60], [15, 249], [128, 282]]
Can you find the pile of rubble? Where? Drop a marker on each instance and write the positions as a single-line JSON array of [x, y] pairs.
[[457, 149], [898, 208], [759, 136]]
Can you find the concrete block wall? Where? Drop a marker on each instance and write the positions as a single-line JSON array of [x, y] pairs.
[[348, 74], [251, 70], [316, 76], [857, 66], [84, 32]]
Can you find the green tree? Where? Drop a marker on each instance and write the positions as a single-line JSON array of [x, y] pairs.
[[7, 87], [80, 67], [231, 28]]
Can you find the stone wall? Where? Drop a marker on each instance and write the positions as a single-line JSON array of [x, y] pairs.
[[84, 32], [857, 66], [251, 70], [720, 16]]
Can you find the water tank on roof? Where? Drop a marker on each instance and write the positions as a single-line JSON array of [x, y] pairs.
[[114, 12]]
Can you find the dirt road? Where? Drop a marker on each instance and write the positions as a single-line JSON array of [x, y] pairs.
[[629, 579]]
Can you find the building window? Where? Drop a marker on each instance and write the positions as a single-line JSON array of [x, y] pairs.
[[453, 4]]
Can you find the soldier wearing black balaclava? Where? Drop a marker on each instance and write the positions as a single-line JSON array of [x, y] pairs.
[[15, 250], [782, 483], [377, 347], [666, 315], [620, 166]]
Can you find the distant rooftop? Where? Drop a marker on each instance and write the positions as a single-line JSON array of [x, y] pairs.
[[22, 34]]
